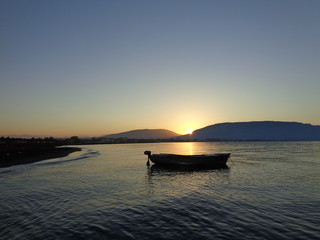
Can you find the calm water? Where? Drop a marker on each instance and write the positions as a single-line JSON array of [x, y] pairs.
[[269, 191]]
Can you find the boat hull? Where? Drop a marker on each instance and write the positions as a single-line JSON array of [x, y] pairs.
[[218, 160]]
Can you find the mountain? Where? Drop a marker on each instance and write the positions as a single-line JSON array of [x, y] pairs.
[[263, 130], [144, 134]]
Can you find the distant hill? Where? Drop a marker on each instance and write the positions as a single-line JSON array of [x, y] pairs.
[[144, 134], [264, 130]]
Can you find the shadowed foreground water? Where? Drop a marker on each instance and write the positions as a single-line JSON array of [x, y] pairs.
[[269, 191]]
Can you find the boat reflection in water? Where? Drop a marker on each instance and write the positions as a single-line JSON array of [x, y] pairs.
[[178, 181], [180, 169], [194, 161]]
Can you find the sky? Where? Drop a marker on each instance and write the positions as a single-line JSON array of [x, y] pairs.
[[90, 68]]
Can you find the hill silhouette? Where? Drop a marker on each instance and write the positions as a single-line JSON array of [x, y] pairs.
[[144, 134], [260, 130]]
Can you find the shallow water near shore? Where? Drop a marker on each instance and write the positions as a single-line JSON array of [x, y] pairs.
[[270, 190]]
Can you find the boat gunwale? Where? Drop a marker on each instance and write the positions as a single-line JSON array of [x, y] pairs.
[[189, 156]]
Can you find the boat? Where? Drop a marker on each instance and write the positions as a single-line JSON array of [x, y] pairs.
[[216, 160]]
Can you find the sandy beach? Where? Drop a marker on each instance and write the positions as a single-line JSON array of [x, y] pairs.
[[39, 156]]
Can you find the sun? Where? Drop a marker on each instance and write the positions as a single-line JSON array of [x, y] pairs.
[[189, 131]]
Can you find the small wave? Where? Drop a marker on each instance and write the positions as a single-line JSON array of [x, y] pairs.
[[87, 154], [13, 170]]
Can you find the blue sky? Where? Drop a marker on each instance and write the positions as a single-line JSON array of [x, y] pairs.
[[90, 68]]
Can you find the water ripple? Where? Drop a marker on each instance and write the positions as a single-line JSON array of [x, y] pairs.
[[107, 192]]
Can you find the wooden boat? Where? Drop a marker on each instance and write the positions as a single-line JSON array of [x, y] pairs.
[[217, 160]]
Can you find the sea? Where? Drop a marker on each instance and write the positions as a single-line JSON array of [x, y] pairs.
[[270, 190]]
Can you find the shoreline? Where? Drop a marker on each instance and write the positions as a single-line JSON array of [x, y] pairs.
[[58, 152]]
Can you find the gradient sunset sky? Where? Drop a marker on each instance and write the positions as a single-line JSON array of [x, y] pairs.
[[89, 68]]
